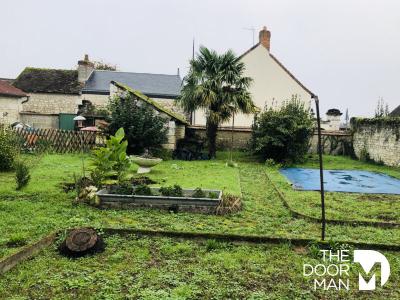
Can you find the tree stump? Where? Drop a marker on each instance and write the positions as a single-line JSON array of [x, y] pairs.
[[81, 241]]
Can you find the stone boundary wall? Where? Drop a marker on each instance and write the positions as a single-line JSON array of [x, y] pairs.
[[379, 140], [334, 142]]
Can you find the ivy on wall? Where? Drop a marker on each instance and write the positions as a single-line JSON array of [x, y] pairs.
[[377, 124]]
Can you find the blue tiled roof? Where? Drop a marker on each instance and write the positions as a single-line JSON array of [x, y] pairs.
[[152, 85]]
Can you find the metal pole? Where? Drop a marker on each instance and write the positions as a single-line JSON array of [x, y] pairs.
[[232, 128], [321, 169]]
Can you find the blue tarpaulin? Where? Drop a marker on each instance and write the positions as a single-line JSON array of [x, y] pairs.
[[351, 181]]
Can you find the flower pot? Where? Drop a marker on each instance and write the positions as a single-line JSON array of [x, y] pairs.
[[145, 164]]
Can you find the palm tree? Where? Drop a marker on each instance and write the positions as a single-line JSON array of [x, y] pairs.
[[216, 84]]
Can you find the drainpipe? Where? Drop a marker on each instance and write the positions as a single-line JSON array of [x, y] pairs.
[[321, 169]]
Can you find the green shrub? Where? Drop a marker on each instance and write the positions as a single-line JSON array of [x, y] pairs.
[[283, 134], [143, 190], [143, 127], [199, 193], [164, 154], [8, 149], [123, 189], [171, 191], [22, 175]]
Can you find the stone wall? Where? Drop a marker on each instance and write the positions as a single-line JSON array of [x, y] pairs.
[[335, 143], [9, 109], [380, 141], [97, 100], [38, 120], [50, 103], [241, 137]]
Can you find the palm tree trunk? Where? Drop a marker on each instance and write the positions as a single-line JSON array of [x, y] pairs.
[[211, 131]]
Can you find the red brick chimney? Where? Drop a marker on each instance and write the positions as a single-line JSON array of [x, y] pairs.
[[265, 38]]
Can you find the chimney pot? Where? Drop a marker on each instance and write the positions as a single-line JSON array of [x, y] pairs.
[[265, 38]]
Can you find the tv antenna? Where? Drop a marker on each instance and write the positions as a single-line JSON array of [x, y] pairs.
[[252, 29]]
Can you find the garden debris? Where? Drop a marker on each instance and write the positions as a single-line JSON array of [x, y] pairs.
[[80, 242], [229, 204], [88, 195]]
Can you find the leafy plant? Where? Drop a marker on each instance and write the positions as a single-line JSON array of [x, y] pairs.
[[8, 149], [216, 83], [171, 191], [22, 175], [199, 193], [143, 127], [283, 135], [123, 189], [143, 190], [111, 160], [213, 195]]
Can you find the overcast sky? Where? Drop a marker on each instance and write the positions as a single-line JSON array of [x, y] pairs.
[[347, 52]]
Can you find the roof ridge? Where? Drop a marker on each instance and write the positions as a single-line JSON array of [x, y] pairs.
[[136, 72], [281, 65], [150, 101], [48, 69]]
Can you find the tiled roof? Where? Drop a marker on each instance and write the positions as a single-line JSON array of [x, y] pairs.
[[152, 85], [8, 90], [35, 80]]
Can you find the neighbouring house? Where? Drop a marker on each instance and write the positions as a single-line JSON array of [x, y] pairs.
[[162, 88], [272, 82], [11, 101], [54, 96], [332, 121], [175, 122], [395, 112]]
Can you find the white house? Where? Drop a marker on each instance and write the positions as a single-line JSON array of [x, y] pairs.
[[272, 82]]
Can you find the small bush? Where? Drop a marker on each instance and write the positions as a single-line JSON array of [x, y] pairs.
[[123, 189], [172, 191], [283, 135], [199, 193], [213, 195], [143, 190], [8, 149], [22, 175], [164, 154], [144, 128]]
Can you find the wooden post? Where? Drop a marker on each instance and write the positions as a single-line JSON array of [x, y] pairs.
[[321, 169]]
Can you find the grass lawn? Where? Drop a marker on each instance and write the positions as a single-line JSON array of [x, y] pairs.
[[163, 268], [43, 207], [342, 206]]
